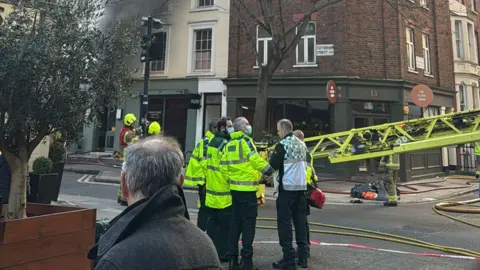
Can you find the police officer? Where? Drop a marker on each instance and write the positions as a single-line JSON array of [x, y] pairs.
[[243, 167], [196, 170], [218, 199], [391, 164], [290, 159], [311, 182], [477, 161]]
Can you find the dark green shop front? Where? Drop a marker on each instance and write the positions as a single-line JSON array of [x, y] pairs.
[[362, 103]]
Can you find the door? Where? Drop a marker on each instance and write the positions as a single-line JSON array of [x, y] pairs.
[[171, 113], [368, 166]]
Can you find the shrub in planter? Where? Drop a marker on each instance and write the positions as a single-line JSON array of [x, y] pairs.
[[43, 183], [57, 155]]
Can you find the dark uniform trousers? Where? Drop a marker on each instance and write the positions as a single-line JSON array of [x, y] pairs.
[[218, 228], [307, 227], [202, 218], [292, 205], [244, 220]]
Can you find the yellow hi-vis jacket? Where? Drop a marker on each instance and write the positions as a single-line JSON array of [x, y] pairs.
[[311, 175], [391, 162], [477, 149], [241, 163], [197, 165], [218, 194]]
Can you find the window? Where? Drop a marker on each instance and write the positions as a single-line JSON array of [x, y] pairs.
[[203, 50], [158, 52], [423, 3], [206, 3], [474, 5], [459, 39], [476, 42], [426, 54], [411, 49], [471, 42], [264, 45], [306, 45], [462, 91]]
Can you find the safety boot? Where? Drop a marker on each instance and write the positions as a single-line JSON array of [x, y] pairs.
[[282, 264], [390, 203], [247, 264], [233, 264]]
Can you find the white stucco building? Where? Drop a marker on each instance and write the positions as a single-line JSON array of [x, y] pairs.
[[464, 23], [191, 60]]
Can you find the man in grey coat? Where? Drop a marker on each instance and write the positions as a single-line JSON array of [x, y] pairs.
[[153, 232]]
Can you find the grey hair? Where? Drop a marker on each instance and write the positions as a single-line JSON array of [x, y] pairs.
[[299, 134], [238, 122], [151, 164], [285, 125]]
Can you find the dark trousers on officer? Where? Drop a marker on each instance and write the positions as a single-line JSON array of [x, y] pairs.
[[202, 218], [244, 220], [218, 228], [307, 227], [292, 205]]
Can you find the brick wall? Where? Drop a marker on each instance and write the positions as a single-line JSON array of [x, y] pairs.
[[369, 39]]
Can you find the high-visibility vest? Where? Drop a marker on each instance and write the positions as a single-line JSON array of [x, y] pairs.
[[310, 171], [294, 164], [197, 165], [218, 194], [241, 163], [477, 149]]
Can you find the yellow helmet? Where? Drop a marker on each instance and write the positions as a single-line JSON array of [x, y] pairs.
[[129, 119], [154, 128]]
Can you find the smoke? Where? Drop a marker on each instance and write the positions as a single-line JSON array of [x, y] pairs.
[[127, 10]]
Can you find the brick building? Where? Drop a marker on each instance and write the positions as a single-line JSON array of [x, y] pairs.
[[379, 54]]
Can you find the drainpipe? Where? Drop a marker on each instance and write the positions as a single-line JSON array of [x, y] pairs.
[[384, 42], [437, 66]]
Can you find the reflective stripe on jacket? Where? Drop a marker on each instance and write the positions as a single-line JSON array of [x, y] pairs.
[[197, 165], [294, 164], [391, 162], [218, 194], [241, 164]]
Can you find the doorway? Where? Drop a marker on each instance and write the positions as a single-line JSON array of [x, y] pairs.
[[368, 166], [171, 113]]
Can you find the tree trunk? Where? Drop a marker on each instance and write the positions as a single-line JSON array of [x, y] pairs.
[[17, 201], [260, 117]]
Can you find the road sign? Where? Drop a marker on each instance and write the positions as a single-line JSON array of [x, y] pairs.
[[422, 95], [331, 91]]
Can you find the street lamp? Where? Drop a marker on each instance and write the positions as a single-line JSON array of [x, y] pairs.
[[150, 23]]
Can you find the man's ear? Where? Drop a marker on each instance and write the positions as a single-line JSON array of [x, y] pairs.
[[123, 184], [181, 179]]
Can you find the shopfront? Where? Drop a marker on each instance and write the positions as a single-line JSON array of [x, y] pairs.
[[362, 103]]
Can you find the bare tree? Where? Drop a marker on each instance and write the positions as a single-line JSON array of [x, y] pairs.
[[285, 22]]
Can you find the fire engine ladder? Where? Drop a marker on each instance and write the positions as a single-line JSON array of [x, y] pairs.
[[399, 137]]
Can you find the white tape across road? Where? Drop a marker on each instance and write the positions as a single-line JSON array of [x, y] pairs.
[[437, 255]]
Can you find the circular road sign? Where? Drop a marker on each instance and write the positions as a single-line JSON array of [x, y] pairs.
[[331, 91], [422, 95]]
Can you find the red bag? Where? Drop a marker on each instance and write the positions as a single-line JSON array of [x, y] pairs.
[[317, 198]]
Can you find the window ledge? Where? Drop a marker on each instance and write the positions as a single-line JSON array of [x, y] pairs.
[[428, 75], [201, 74], [475, 12], [202, 9], [158, 74], [413, 71], [305, 65]]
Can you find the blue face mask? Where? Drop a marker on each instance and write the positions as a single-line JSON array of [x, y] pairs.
[[230, 130], [248, 130]]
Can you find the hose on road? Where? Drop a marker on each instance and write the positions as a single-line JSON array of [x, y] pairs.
[[363, 233], [447, 207]]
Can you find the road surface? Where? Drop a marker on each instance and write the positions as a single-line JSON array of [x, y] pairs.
[[410, 220]]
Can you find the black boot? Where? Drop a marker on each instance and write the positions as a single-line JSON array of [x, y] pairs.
[[233, 264], [283, 265], [303, 263], [390, 203], [247, 264]]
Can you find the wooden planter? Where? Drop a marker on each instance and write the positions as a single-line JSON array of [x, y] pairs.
[[52, 237]]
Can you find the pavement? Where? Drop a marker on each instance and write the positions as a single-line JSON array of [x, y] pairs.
[[337, 190], [329, 251]]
